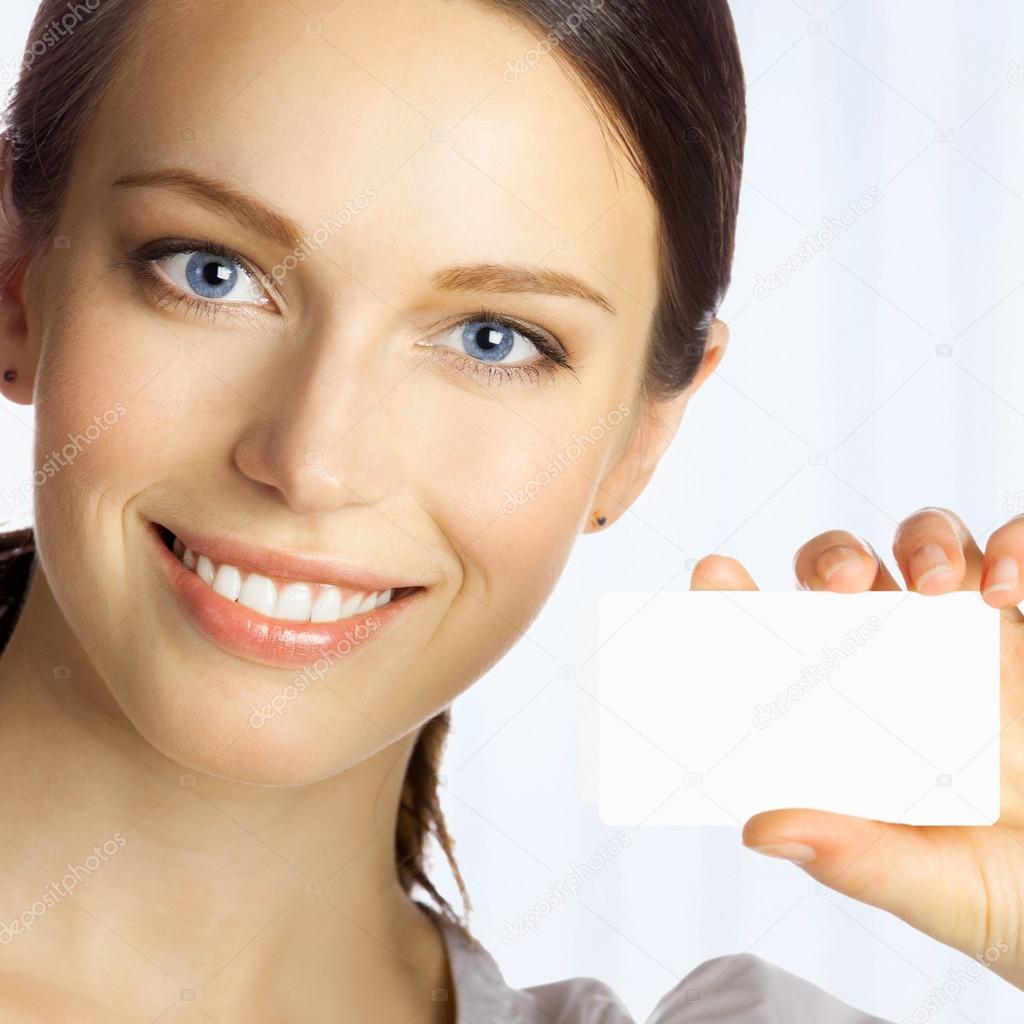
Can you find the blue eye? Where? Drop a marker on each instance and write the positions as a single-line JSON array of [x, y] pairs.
[[483, 342], [207, 276], [493, 341], [212, 277]]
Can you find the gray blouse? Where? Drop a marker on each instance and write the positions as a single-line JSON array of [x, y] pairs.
[[736, 989]]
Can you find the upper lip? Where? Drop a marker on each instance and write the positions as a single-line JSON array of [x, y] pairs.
[[313, 568]]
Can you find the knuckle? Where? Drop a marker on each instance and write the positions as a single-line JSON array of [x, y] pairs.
[[808, 554], [1011, 528], [917, 527], [830, 539], [807, 550], [711, 562]]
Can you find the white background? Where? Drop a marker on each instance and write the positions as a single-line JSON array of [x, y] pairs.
[[885, 376]]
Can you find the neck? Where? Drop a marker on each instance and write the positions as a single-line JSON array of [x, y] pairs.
[[266, 901]]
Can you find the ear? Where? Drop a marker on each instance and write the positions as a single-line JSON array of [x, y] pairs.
[[650, 437], [15, 351]]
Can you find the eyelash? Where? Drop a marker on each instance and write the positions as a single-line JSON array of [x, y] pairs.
[[141, 262]]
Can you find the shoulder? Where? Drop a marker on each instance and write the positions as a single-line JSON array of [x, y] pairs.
[[738, 988], [741, 988], [580, 1000]]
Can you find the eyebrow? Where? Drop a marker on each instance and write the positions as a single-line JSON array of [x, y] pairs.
[[492, 277], [222, 198], [277, 226]]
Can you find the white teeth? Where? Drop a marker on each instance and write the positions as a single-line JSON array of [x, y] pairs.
[[292, 601], [259, 594], [204, 569], [228, 582], [350, 603], [328, 606]]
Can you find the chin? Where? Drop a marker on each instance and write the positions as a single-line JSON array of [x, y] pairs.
[[299, 748]]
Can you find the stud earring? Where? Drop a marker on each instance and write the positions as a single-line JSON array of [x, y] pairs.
[[10, 375], [598, 520]]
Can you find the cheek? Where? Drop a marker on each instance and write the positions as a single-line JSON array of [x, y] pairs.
[[92, 453], [506, 503], [115, 409], [510, 500], [117, 400]]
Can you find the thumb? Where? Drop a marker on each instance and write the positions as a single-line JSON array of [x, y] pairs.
[[891, 866]]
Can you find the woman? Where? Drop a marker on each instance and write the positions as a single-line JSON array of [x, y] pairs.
[[284, 387]]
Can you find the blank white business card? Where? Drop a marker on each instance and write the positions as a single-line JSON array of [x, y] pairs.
[[715, 705]]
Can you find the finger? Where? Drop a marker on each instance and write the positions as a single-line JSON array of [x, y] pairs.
[[719, 572], [895, 867], [1001, 573], [839, 561], [936, 552]]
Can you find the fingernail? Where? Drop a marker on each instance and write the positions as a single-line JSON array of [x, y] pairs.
[[1003, 575], [831, 560], [926, 562], [799, 853]]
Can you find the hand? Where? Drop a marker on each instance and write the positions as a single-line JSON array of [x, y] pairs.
[[962, 885]]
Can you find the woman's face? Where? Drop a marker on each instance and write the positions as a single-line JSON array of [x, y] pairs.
[[309, 415]]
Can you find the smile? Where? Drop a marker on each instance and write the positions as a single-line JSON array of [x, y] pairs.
[[276, 608], [293, 601]]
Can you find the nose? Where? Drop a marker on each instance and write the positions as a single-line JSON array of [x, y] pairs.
[[322, 439]]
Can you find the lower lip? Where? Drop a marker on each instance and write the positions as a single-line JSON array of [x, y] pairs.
[[255, 637]]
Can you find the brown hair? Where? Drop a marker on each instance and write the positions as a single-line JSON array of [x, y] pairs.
[[667, 76]]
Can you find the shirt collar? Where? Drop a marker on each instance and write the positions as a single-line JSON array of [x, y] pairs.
[[481, 994]]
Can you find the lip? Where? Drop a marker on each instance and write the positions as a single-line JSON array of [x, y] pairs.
[[258, 638], [249, 557]]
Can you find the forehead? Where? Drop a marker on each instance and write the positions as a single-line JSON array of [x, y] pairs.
[[477, 141]]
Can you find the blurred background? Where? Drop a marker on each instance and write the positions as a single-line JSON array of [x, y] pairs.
[[875, 367]]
